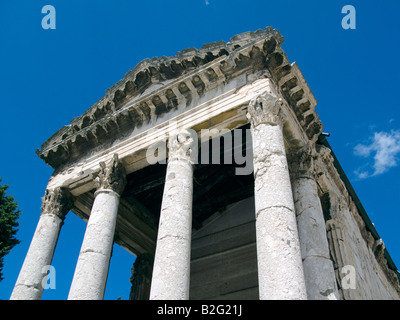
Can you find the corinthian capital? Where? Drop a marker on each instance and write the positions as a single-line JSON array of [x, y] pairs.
[[57, 201], [302, 162], [111, 176], [183, 145], [265, 108]]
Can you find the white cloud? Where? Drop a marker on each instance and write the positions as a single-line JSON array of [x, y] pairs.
[[206, 2], [362, 174], [384, 146]]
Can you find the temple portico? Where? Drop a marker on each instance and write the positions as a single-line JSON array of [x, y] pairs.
[[137, 168]]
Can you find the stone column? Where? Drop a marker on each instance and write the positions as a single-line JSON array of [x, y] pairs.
[[141, 277], [91, 271], [171, 270], [29, 285], [318, 267], [280, 269]]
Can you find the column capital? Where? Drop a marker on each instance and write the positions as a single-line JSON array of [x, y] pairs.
[[57, 201], [112, 176], [181, 146], [302, 163], [265, 108]]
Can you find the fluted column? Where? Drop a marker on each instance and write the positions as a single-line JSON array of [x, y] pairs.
[[171, 270], [318, 267], [91, 271], [29, 285], [280, 270]]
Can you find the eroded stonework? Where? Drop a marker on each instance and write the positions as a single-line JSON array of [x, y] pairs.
[[111, 176], [58, 202], [265, 108]]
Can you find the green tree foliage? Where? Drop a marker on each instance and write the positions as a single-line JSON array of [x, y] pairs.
[[9, 214]]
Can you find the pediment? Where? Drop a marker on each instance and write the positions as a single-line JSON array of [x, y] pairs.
[[156, 86]]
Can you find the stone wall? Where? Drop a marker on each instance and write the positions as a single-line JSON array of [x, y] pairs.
[[360, 261], [359, 271]]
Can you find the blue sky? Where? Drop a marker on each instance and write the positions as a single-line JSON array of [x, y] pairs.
[[48, 77]]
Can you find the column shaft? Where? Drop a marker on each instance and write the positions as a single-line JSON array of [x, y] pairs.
[[91, 271], [280, 270], [318, 267], [30, 282], [171, 270]]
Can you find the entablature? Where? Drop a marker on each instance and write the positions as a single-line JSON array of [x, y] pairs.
[[160, 88]]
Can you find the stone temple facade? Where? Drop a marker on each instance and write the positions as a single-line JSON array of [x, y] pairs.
[[210, 167]]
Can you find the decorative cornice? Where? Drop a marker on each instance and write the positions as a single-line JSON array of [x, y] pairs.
[[159, 85], [298, 94], [58, 202], [111, 176]]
